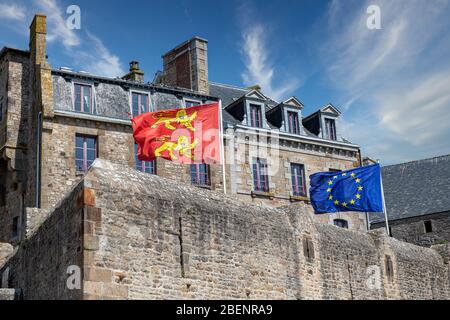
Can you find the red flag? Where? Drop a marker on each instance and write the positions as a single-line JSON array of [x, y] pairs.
[[181, 135]]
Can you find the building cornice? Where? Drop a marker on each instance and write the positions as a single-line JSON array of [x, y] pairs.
[[299, 138]]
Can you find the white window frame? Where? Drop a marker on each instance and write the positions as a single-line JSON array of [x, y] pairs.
[[200, 102], [130, 100], [93, 94]]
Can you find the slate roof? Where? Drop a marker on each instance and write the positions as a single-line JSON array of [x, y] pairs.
[[416, 188], [229, 94]]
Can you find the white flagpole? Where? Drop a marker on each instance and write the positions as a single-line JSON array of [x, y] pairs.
[[222, 148], [384, 203]]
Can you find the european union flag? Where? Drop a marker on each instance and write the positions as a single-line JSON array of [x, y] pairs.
[[353, 190]]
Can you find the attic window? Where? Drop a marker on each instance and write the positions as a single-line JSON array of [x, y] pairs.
[[191, 103], [428, 226], [139, 103], [255, 116], [83, 98], [293, 124], [330, 129]]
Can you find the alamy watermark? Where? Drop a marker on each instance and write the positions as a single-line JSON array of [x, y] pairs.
[[374, 20], [73, 22]]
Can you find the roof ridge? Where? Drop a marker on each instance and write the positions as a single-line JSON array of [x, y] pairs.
[[229, 86], [419, 161]]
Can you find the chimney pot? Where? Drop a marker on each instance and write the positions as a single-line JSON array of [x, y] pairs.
[[135, 74]]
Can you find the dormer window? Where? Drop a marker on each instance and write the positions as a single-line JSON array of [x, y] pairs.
[[293, 124], [139, 103], [255, 116], [330, 129], [83, 98], [191, 103]]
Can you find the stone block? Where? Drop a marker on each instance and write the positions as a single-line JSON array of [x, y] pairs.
[[95, 274]]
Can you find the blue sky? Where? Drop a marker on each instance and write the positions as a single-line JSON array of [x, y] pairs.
[[392, 85]]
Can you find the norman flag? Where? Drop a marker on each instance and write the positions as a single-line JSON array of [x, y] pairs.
[[185, 136], [353, 190]]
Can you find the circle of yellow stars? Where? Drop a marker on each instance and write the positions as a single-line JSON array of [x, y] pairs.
[[344, 203]]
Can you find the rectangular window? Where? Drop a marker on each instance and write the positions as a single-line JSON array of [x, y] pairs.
[[341, 223], [260, 175], [15, 227], [255, 116], [298, 180], [308, 249], [389, 266], [428, 226], [85, 152], [330, 129], [83, 98], [200, 174], [293, 124], [140, 103], [144, 166], [191, 103]]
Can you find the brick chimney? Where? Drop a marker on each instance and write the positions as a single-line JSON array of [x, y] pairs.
[[186, 66], [38, 33], [135, 73]]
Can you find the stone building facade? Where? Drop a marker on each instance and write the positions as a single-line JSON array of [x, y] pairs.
[[417, 201], [55, 122], [121, 239]]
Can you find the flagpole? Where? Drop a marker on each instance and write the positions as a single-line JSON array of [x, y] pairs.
[[222, 148], [384, 203]]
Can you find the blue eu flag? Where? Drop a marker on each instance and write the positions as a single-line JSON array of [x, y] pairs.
[[353, 190]]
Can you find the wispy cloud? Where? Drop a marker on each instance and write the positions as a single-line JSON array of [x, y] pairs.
[[258, 69], [88, 51], [100, 60], [395, 82], [57, 29], [12, 11]]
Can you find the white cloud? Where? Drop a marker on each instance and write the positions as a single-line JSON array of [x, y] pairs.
[[57, 29], [395, 82], [88, 51], [101, 61], [258, 67], [12, 12]]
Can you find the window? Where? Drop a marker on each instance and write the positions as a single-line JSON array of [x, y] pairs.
[[83, 98], [428, 226], [191, 103], [298, 180], [334, 170], [200, 174], [15, 227], [139, 102], [293, 123], [341, 223], [389, 267], [85, 152], [260, 176], [144, 166], [330, 129], [255, 116], [1, 111], [308, 249]]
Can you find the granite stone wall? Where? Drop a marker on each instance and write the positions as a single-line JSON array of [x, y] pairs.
[[413, 229], [39, 266], [137, 236]]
